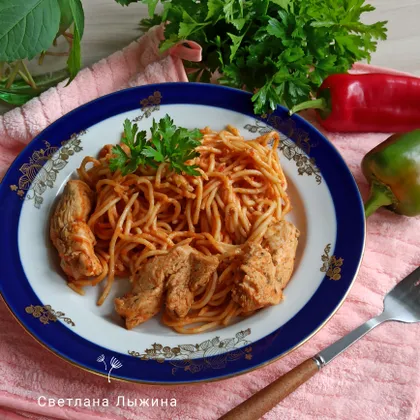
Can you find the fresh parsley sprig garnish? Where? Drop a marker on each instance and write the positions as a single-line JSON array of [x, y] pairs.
[[136, 142], [169, 143], [281, 50]]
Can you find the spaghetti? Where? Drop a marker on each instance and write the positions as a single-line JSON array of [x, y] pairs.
[[240, 192]]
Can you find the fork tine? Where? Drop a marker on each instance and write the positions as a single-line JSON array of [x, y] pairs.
[[415, 292], [411, 280], [402, 303]]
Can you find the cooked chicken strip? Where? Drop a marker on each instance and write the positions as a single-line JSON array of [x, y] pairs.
[[146, 298], [264, 271], [202, 267], [196, 273], [258, 286], [71, 235], [179, 272], [281, 240], [268, 268]]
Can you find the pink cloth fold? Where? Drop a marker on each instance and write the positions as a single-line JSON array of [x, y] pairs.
[[378, 378]]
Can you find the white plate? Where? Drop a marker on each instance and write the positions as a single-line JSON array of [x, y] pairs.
[[314, 196]]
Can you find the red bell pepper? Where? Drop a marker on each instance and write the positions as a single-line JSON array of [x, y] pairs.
[[372, 102]]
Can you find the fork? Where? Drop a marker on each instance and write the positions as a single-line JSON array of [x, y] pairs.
[[401, 304]]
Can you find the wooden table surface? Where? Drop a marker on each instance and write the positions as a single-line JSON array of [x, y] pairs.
[[109, 27]]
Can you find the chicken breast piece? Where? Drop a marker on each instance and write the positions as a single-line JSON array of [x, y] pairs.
[[71, 235], [146, 298], [281, 240], [178, 273], [195, 274], [179, 298], [258, 287], [267, 268]]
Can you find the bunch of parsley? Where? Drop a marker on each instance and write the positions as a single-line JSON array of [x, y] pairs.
[[169, 143], [281, 50]]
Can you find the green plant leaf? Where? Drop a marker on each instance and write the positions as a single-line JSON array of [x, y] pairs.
[[281, 50], [74, 62], [276, 28], [146, 24], [281, 3], [27, 27], [78, 16], [127, 2], [236, 44], [151, 6], [42, 81], [20, 92], [16, 99], [189, 26], [292, 54], [215, 9], [168, 43], [119, 160], [229, 10], [238, 23], [66, 15], [169, 143]]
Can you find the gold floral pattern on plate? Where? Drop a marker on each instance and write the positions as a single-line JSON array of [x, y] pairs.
[[210, 354], [331, 265], [46, 314], [149, 105], [297, 151], [43, 167]]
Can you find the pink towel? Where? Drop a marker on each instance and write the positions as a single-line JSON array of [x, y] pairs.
[[378, 378]]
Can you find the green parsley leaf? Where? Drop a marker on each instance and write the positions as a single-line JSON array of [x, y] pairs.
[[136, 142], [229, 10], [168, 43], [215, 8], [151, 4], [188, 26], [127, 2], [119, 160], [169, 143], [281, 3], [236, 44], [287, 49], [275, 28], [174, 145], [146, 24], [130, 132], [154, 154]]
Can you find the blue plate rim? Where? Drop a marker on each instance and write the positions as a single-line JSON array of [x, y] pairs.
[[246, 106]]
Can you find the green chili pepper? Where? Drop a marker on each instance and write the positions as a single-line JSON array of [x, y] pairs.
[[393, 169]]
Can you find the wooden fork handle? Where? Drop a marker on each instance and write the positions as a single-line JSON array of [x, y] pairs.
[[256, 406]]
